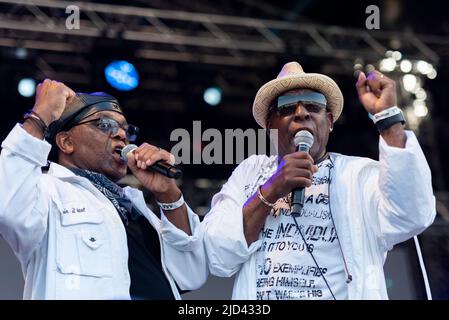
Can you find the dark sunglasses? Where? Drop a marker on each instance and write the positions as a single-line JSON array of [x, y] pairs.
[[111, 126], [313, 102]]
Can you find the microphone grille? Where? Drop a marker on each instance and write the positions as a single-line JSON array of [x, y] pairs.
[[126, 149], [303, 137]]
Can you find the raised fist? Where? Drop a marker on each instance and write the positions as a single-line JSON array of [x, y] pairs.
[[51, 99]]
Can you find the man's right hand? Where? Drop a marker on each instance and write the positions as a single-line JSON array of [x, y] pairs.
[[51, 99], [294, 171]]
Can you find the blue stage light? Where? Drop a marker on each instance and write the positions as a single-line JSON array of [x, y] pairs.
[[122, 75]]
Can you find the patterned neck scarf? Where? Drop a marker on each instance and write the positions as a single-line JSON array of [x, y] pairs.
[[113, 192]]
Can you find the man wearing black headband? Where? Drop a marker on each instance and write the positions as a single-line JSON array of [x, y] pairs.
[[354, 209], [77, 234]]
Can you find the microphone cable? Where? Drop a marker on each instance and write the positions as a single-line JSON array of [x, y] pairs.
[[313, 257], [294, 215]]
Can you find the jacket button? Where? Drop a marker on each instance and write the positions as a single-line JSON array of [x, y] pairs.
[[92, 239]]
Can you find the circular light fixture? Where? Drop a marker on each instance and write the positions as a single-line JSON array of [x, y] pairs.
[[212, 96], [406, 66], [27, 87], [122, 75]]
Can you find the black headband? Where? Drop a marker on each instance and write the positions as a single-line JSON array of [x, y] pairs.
[[87, 111]]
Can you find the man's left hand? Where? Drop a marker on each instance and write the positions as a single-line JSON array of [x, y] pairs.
[[161, 186], [376, 91]]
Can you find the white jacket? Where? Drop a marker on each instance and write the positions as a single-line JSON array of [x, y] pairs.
[[375, 205], [68, 236]]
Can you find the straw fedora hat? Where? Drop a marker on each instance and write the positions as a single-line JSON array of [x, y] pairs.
[[291, 77]]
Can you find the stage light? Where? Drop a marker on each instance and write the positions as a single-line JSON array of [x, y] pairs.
[[21, 53], [424, 67], [410, 82], [412, 120], [358, 64], [396, 55], [122, 75], [26, 87], [387, 64], [420, 109], [369, 68], [432, 74], [421, 94], [212, 96], [406, 66]]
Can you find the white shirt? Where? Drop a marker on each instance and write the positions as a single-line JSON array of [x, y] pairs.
[[285, 268]]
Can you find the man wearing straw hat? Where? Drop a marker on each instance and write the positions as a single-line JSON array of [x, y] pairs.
[[354, 210]]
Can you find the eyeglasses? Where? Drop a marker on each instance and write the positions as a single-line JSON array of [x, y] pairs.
[[111, 126], [286, 105]]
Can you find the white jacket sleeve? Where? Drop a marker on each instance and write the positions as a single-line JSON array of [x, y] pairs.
[[400, 192], [23, 206], [224, 238], [185, 255]]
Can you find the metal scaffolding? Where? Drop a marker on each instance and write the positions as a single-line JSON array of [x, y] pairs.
[[198, 37]]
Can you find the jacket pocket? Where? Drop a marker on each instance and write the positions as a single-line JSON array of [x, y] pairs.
[[85, 253]]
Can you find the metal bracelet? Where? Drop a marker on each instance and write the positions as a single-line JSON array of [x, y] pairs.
[[261, 197]]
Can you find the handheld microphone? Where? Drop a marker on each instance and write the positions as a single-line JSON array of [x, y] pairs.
[[303, 141], [161, 166]]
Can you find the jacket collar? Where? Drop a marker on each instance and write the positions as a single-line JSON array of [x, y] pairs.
[[63, 173], [59, 171]]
